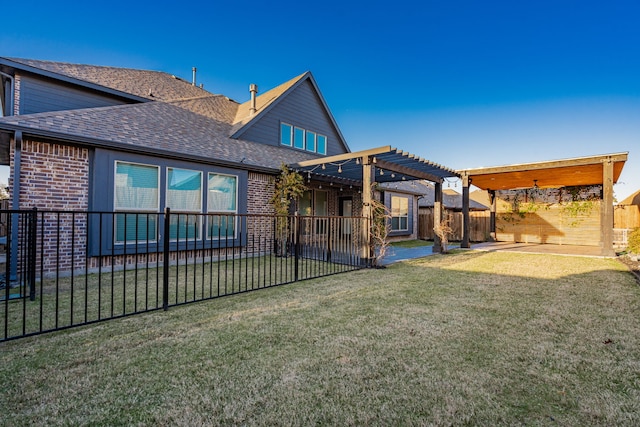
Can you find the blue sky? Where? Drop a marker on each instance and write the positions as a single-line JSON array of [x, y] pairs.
[[461, 83]]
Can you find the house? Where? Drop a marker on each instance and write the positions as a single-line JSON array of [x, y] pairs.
[[107, 139], [420, 196]]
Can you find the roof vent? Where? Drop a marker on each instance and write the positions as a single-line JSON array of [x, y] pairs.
[[193, 80], [253, 89]]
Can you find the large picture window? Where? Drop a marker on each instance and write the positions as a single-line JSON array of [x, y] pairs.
[[184, 196], [399, 213], [222, 206], [136, 191]]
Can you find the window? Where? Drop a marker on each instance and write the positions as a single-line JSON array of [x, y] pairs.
[[322, 144], [222, 200], [136, 190], [298, 138], [286, 134], [311, 141], [302, 139], [399, 213], [184, 195]]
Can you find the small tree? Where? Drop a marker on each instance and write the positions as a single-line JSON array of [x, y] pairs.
[[289, 186], [380, 228], [633, 242], [443, 231]]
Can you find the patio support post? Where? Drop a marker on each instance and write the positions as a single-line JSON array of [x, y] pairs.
[[466, 225], [437, 216], [606, 221], [368, 178], [492, 215]]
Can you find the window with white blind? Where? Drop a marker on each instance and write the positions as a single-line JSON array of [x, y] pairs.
[[222, 206], [136, 191]]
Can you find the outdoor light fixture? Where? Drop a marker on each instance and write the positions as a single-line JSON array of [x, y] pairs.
[[357, 160], [393, 175], [339, 168], [535, 183], [323, 167]]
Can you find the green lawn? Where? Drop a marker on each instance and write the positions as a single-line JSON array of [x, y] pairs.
[[462, 339], [412, 243]]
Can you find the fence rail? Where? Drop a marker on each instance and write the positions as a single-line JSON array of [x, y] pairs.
[[64, 269]]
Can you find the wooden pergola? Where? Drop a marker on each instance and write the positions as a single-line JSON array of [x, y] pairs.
[[382, 164], [594, 170]]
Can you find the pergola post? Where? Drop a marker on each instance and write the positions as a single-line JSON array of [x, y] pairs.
[[437, 216], [466, 223], [492, 215], [368, 177], [606, 222]]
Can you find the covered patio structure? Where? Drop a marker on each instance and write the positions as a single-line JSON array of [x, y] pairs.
[[377, 165], [601, 170]]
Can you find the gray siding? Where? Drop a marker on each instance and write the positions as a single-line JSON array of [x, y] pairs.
[[410, 220], [300, 108], [39, 96]]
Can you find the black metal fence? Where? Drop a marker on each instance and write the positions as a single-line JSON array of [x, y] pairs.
[[68, 268]]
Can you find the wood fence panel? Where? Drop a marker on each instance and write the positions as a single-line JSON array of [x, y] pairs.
[[626, 216], [552, 225], [479, 225]]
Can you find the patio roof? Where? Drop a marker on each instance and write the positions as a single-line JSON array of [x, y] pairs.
[[390, 163], [550, 174]]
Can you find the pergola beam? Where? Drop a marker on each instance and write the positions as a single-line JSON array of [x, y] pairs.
[[404, 170]]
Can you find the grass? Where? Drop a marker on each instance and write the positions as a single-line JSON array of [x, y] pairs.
[[462, 339], [68, 301], [411, 243]]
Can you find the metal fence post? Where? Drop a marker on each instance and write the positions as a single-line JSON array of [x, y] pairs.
[[165, 259], [296, 237], [33, 240]]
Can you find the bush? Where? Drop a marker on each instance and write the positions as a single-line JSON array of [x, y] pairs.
[[634, 241]]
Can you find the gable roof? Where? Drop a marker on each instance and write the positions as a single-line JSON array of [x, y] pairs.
[[141, 84], [191, 129], [270, 99], [451, 199], [633, 199], [173, 117]]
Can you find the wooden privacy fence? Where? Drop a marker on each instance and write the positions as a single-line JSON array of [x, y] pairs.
[[479, 222], [626, 216]]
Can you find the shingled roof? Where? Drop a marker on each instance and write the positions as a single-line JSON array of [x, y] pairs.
[[151, 85], [450, 199], [192, 129]]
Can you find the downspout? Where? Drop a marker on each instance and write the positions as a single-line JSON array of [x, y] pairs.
[[15, 204], [8, 107]]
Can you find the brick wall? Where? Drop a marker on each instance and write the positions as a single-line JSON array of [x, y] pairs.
[[56, 177]]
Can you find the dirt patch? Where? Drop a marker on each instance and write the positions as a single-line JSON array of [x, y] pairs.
[[634, 266]]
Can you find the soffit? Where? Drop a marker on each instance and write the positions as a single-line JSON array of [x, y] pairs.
[[551, 174]]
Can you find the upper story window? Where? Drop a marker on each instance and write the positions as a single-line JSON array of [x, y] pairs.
[[302, 139]]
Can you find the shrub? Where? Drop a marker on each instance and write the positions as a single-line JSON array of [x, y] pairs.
[[634, 241]]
